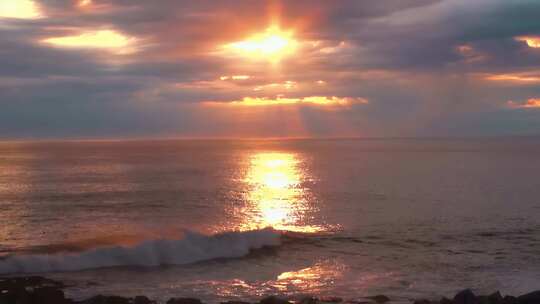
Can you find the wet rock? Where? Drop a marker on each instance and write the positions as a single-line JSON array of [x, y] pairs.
[[331, 299], [99, 299], [274, 300], [465, 297], [446, 300], [495, 298], [380, 299], [48, 294], [308, 300], [184, 301], [234, 302], [142, 300], [510, 300], [530, 298], [27, 282], [31, 290], [16, 295]]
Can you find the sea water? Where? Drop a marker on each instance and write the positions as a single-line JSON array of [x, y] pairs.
[[240, 219]]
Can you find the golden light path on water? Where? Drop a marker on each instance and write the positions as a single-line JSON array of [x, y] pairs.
[[276, 197]]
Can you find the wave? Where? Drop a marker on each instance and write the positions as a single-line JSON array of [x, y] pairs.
[[194, 247]]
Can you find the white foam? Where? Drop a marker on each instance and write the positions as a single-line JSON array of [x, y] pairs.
[[194, 247]]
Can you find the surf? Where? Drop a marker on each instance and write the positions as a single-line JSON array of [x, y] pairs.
[[193, 247]]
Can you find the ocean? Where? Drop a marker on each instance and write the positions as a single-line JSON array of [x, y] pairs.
[[240, 219]]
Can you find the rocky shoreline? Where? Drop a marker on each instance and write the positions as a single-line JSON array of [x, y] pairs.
[[40, 290]]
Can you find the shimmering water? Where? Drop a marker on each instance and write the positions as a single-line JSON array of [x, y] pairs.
[[351, 218]]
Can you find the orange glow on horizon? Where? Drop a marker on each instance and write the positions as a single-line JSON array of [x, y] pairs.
[[20, 9], [272, 45]]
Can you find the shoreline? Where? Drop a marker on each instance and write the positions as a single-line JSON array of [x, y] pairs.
[[40, 290]]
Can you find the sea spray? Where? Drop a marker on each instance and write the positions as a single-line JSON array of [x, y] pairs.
[[194, 247]]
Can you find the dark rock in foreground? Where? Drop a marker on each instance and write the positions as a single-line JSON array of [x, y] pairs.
[[274, 300], [39, 290], [380, 299], [465, 297], [530, 298], [184, 301]]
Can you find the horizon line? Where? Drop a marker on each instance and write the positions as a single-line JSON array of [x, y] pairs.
[[230, 138]]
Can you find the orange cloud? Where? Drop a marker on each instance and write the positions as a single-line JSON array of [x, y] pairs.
[[288, 85], [531, 41], [101, 39], [235, 77], [470, 54], [323, 101], [529, 77], [20, 9], [532, 103]]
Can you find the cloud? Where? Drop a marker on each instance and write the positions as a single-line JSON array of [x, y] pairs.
[[531, 41], [420, 63], [329, 102], [531, 103], [19, 9]]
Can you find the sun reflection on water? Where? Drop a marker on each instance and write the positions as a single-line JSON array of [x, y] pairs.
[[310, 279], [276, 195]]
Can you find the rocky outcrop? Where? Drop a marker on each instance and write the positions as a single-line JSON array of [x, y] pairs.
[[39, 290]]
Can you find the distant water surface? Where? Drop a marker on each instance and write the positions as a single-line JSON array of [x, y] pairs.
[[349, 218]]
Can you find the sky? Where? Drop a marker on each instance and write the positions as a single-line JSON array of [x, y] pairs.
[[254, 68]]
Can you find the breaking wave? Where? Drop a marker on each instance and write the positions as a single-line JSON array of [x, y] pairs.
[[194, 247]]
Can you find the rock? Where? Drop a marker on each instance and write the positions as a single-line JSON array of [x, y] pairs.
[[510, 300], [142, 300], [422, 302], [465, 297], [530, 298], [184, 301], [23, 282], [274, 300], [47, 295], [308, 300], [380, 299], [99, 299], [446, 300], [331, 299], [31, 290], [234, 302], [495, 298]]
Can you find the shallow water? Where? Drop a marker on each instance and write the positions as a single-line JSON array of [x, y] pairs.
[[405, 218]]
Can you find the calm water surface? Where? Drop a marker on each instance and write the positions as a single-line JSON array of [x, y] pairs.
[[350, 218]]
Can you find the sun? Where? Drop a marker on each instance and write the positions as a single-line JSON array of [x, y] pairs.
[[273, 45]]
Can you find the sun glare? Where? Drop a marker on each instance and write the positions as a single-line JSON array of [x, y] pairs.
[[21, 9], [273, 45]]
